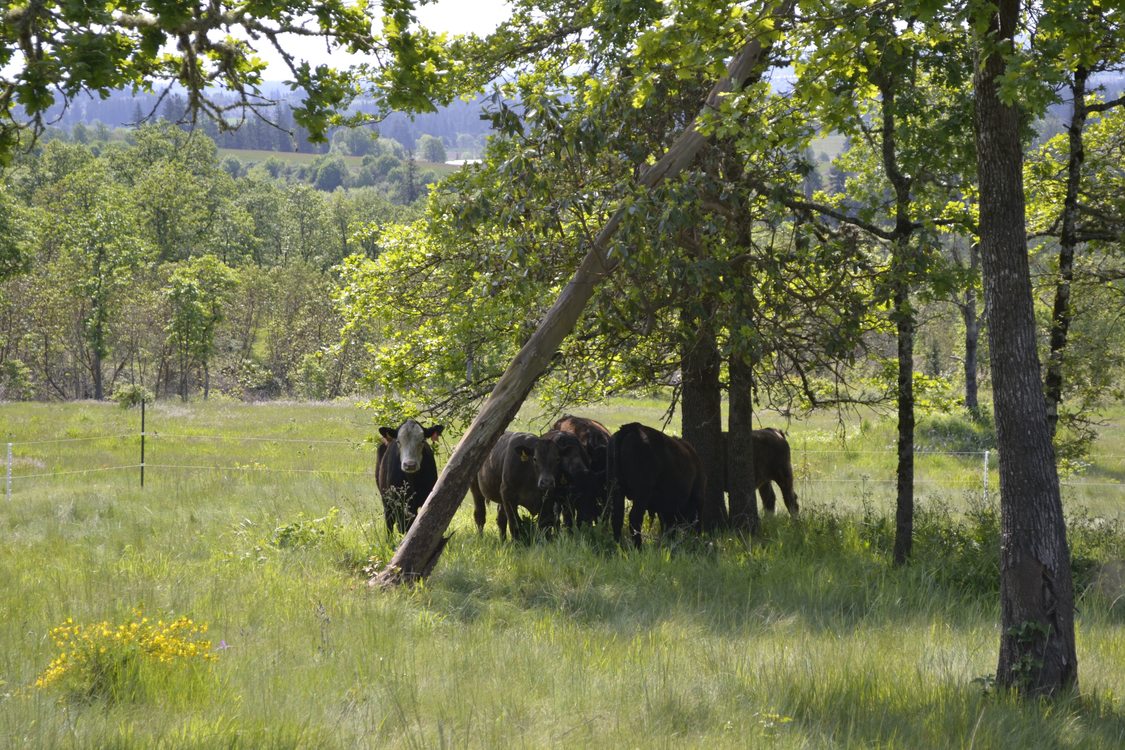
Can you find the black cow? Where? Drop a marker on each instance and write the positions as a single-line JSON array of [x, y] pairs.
[[531, 472], [772, 463], [405, 471], [662, 475], [588, 495]]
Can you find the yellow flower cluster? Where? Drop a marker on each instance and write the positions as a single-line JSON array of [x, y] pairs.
[[92, 650]]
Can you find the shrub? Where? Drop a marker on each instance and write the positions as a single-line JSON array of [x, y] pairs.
[[956, 432], [15, 380], [131, 395], [119, 662], [307, 532]]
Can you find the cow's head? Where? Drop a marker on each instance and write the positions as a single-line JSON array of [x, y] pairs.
[[411, 438], [559, 458]]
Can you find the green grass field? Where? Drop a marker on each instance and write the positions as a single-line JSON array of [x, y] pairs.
[[804, 638]]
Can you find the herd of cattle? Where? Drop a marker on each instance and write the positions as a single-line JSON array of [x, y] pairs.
[[577, 472]]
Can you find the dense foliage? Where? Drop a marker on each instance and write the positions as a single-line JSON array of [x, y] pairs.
[[147, 263]]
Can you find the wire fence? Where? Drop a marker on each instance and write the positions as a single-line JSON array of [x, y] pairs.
[[818, 470]]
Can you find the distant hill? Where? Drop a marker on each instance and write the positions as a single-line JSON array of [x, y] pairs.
[[459, 125]]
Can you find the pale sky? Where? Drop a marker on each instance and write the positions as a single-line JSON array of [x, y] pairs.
[[464, 16]]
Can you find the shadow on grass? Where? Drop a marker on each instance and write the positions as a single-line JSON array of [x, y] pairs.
[[826, 572], [854, 711]]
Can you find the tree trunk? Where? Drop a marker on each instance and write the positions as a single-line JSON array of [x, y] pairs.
[[96, 371], [702, 408], [738, 457], [902, 271], [740, 468], [904, 506], [972, 335], [1037, 653], [422, 544], [1068, 244]]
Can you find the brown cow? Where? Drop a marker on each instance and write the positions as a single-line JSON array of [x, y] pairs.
[[772, 463], [662, 475], [588, 495], [526, 471]]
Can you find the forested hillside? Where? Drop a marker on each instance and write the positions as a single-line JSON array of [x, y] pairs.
[[457, 126], [149, 265]]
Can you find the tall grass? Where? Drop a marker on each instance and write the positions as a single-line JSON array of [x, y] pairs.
[[806, 637]]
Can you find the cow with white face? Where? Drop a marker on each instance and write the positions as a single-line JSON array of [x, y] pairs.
[[405, 471]]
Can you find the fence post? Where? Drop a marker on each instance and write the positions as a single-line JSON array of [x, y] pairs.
[[985, 476], [142, 442], [9, 484]]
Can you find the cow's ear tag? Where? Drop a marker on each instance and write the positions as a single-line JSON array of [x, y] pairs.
[[523, 457]]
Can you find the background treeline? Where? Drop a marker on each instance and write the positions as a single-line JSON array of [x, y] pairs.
[[146, 266], [457, 126]]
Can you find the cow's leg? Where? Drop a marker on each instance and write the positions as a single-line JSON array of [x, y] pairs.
[[479, 505], [413, 505], [502, 523], [636, 520], [616, 509], [548, 516], [388, 514], [785, 482], [769, 499]]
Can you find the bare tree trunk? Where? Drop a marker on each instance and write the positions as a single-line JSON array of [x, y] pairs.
[[701, 406], [902, 270], [904, 506], [1037, 653], [420, 548], [968, 309], [1068, 244], [96, 370], [740, 468], [740, 471]]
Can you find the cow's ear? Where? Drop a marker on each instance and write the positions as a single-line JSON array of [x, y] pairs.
[[433, 433], [523, 453], [388, 434]]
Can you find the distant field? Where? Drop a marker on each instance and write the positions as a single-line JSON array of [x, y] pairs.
[[803, 638]]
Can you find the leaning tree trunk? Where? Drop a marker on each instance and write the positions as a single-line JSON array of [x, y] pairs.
[[1037, 652], [420, 548], [1068, 244], [701, 408]]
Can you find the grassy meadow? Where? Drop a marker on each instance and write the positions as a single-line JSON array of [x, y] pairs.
[[804, 638]]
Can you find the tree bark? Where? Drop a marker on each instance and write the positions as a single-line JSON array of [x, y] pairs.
[[418, 552], [1068, 244], [739, 455], [972, 335], [904, 505], [1037, 653], [96, 371], [701, 406], [902, 272]]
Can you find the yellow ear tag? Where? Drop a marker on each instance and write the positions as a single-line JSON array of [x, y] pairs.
[[523, 457]]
